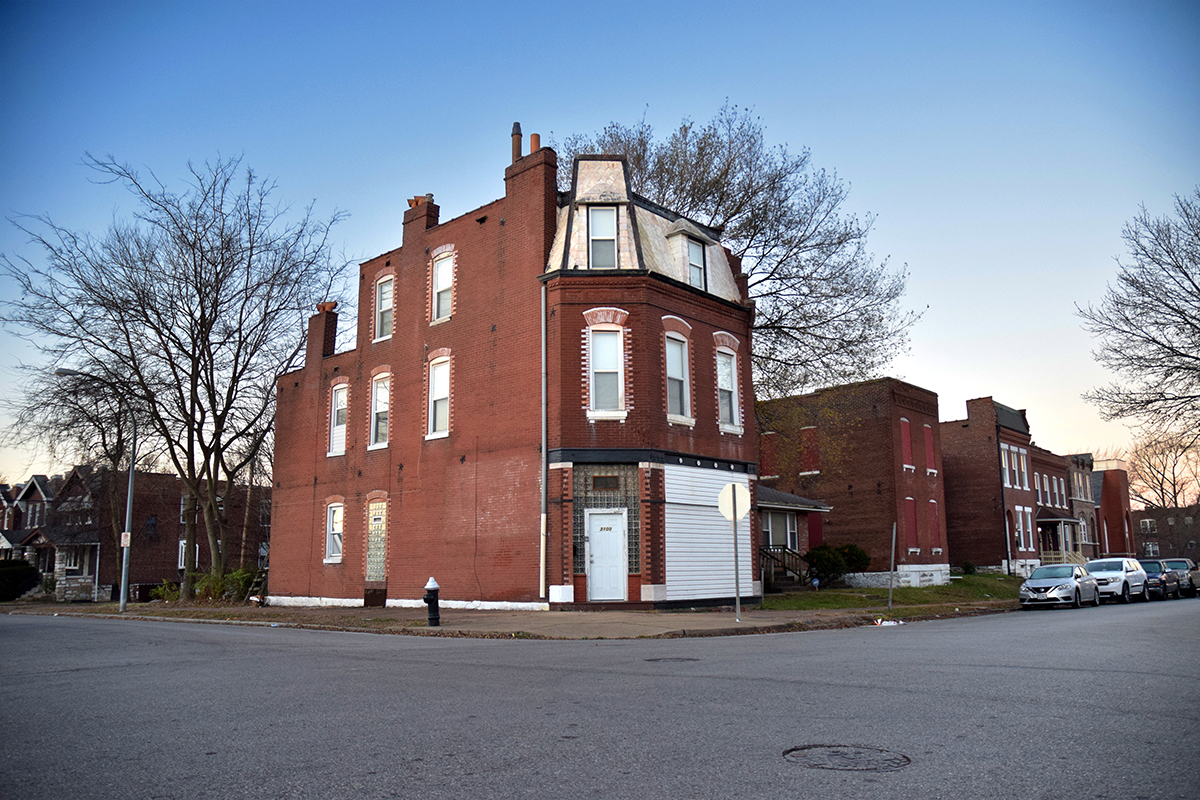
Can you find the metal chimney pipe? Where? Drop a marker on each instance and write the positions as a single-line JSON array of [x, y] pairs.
[[535, 142], [516, 141]]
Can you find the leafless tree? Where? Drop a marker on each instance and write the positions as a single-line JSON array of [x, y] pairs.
[[81, 421], [1149, 322], [1164, 470], [195, 303], [826, 310]]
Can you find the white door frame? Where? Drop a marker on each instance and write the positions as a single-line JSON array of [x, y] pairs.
[[622, 514]]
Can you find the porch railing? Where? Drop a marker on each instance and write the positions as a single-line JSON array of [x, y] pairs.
[[1062, 557], [780, 555]]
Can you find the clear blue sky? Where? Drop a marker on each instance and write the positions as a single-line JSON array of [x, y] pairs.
[[1001, 146]]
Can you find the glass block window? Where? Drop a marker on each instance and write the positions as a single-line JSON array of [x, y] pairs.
[[595, 487]]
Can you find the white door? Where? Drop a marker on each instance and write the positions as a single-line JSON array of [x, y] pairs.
[[607, 558]]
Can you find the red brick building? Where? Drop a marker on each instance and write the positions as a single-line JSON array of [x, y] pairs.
[[872, 451], [546, 395], [990, 498], [68, 528], [1114, 517]]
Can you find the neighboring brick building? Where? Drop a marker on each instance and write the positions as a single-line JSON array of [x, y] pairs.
[[65, 527], [1114, 517], [1168, 532], [422, 452], [1083, 504], [872, 451], [990, 500]]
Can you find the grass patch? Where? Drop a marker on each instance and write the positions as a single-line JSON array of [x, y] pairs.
[[971, 589]]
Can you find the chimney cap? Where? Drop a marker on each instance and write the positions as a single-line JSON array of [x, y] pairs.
[[516, 129], [328, 305]]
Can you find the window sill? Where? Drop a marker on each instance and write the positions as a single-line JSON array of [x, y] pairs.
[[913, 551], [909, 468], [932, 472], [733, 429], [380, 446], [437, 435], [809, 472], [439, 320], [335, 560], [594, 415], [676, 419], [937, 551], [332, 454], [381, 339]]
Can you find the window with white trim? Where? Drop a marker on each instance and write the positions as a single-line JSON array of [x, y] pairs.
[[1004, 464], [337, 420], [696, 270], [1029, 529], [602, 237], [439, 398], [384, 290], [183, 551], [606, 364], [727, 398], [678, 400], [334, 520], [1020, 530], [443, 286], [1038, 487], [1024, 468], [380, 388]]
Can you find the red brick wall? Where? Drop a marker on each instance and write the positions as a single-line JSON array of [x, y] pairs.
[[857, 466]]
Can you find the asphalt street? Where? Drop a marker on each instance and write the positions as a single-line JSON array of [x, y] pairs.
[[1091, 703]]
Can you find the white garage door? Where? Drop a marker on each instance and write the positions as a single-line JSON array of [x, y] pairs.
[[699, 541]]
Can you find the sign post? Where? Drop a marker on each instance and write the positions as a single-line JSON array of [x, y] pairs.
[[734, 503]]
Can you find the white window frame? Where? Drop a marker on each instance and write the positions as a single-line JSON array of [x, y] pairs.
[[378, 409], [692, 246], [684, 418], [620, 412], [1004, 464], [1024, 468], [1020, 529], [183, 549], [593, 211], [1038, 487], [385, 312], [337, 431], [439, 392], [1029, 529], [443, 288], [733, 424], [335, 529]]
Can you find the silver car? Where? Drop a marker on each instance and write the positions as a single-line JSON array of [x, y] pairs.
[[1120, 578], [1059, 585]]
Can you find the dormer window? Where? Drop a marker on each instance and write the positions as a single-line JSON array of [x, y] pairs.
[[602, 237], [696, 263]]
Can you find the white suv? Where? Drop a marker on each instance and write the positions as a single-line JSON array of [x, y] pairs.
[[1120, 578]]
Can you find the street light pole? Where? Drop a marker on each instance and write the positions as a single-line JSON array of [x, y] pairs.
[[127, 534]]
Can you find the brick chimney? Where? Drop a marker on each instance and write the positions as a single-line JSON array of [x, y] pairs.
[[424, 209], [322, 333]]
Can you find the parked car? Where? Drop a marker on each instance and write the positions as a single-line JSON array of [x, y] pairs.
[[1160, 579], [1119, 578], [1186, 569], [1058, 585]]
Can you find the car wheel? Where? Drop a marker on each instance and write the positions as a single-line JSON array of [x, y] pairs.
[[1125, 593], [1078, 603], [1145, 593], [1096, 599]]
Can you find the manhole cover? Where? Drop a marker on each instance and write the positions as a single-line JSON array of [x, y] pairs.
[[672, 659], [847, 757]]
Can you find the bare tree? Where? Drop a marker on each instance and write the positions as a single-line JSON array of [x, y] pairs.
[[825, 310], [1149, 322], [81, 421], [1164, 470], [195, 303]]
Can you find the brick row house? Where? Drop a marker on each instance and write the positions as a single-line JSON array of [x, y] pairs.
[[1114, 517], [1171, 532], [872, 452], [68, 527], [546, 396]]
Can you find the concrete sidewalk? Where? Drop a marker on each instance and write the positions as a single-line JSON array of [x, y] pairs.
[[519, 624]]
